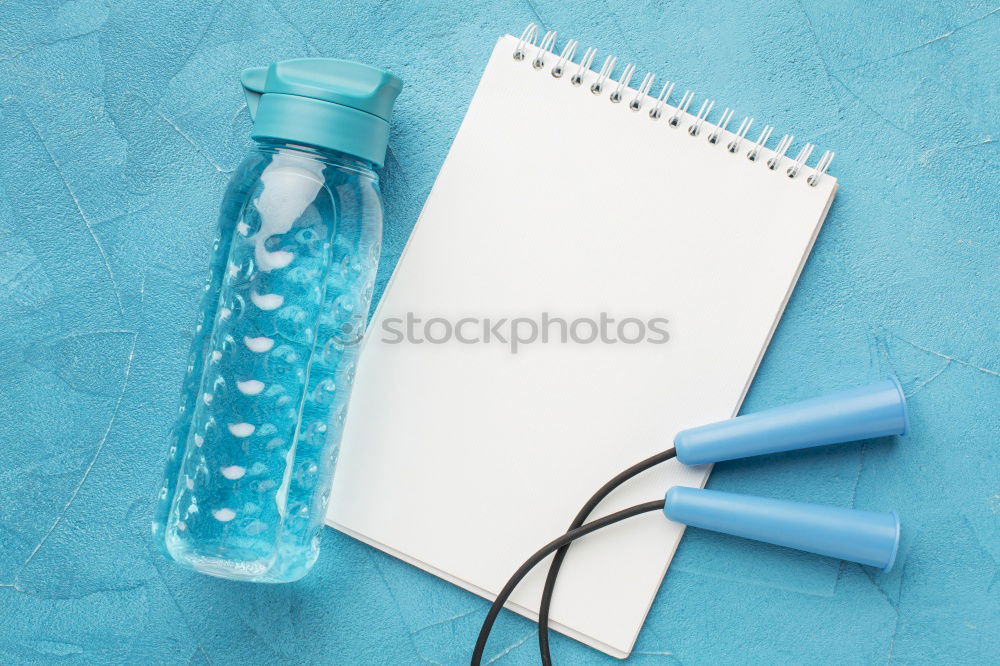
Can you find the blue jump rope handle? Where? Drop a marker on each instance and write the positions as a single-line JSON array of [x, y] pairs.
[[866, 537], [876, 410]]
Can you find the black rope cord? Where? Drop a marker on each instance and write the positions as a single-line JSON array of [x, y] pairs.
[[588, 508], [541, 554]]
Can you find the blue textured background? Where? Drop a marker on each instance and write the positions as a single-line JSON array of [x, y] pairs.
[[122, 121]]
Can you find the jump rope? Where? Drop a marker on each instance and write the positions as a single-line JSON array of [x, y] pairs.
[[865, 537]]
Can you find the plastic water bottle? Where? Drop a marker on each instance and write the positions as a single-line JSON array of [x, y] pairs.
[[252, 454]]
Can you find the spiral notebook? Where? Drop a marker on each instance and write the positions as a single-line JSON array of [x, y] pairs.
[[569, 193]]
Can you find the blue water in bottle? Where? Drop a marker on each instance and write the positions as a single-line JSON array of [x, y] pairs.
[[252, 454]]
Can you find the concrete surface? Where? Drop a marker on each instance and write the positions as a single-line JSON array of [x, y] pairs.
[[122, 121]]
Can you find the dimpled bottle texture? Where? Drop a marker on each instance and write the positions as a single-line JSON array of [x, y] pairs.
[[252, 454]]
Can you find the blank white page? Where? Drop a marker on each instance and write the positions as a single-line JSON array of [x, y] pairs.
[[463, 459]]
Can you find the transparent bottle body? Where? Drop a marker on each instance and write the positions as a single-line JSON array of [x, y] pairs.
[[252, 453]]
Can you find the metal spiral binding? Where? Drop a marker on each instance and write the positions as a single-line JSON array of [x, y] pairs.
[[602, 76], [706, 108], [686, 98], [780, 151], [585, 62], [765, 134], [527, 36], [640, 96], [821, 167], [548, 41], [668, 87], [567, 55], [623, 81], [721, 125], [800, 160], [544, 49], [741, 134]]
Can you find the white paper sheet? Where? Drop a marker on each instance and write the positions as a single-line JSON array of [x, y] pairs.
[[463, 459]]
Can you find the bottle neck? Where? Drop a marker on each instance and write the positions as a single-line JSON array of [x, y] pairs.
[[328, 157]]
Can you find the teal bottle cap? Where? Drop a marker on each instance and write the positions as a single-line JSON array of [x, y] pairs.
[[323, 102]]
